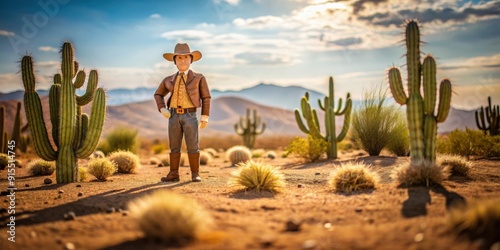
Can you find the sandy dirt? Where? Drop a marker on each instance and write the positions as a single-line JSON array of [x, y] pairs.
[[386, 218]]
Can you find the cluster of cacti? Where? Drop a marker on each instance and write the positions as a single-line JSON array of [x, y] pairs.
[[422, 123], [74, 134], [313, 127], [248, 128], [488, 119], [238, 154], [16, 131], [126, 161]]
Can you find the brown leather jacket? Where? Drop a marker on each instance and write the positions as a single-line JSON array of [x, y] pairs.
[[197, 89]]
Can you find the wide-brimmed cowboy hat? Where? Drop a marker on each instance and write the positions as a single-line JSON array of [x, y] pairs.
[[182, 49]]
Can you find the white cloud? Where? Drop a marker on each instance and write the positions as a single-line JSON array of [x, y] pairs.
[[48, 49], [230, 2], [155, 16], [474, 62], [48, 64], [186, 35], [6, 33]]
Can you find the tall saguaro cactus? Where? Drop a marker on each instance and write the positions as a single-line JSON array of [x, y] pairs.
[[488, 119], [248, 128], [311, 117], [420, 111], [74, 135]]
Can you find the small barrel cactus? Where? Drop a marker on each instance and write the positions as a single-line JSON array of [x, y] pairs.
[[238, 154]]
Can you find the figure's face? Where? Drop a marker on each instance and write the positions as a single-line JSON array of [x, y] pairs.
[[183, 62]]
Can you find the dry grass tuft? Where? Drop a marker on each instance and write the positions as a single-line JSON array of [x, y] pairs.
[[40, 167], [82, 174], [458, 165], [154, 161], [211, 151], [258, 177], [477, 220], [170, 217], [101, 168], [353, 176], [238, 154], [258, 153], [126, 161], [420, 173], [205, 158]]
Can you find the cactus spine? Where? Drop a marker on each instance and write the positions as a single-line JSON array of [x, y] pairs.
[[248, 128], [71, 139], [488, 119], [311, 117], [422, 123]]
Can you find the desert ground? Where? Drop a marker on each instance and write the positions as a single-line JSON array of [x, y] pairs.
[[306, 215]]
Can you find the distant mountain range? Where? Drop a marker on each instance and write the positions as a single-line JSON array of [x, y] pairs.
[[273, 103], [265, 94]]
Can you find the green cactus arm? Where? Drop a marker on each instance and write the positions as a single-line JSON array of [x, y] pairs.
[[34, 114], [54, 105], [444, 100], [238, 130], [347, 107], [298, 118], [80, 79], [480, 122], [96, 122], [262, 129], [57, 79], [84, 127], [321, 106], [78, 128], [339, 106], [429, 83], [347, 121], [413, 57], [27, 74], [91, 87], [68, 63], [76, 65], [396, 86]]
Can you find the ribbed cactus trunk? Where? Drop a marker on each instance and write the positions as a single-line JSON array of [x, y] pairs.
[[311, 117], [422, 123], [248, 128], [74, 134]]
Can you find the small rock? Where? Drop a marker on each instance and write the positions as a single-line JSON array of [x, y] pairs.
[[267, 208], [317, 173], [309, 244], [358, 210], [110, 210], [419, 237], [267, 241], [61, 191], [26, 185], [369, 220], [80, 194], [300, 185], [70, 216], [124, 213], [33, 234], [292, 226], [69, 246], [46, 202], [160, 165], [47, 181], [3, 210], [78, 186]]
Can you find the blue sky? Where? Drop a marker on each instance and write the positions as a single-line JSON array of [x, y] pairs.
[[245, 42]]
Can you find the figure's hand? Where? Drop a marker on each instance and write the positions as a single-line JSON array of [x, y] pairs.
[[203, 124], [165, 112], [203, 121]]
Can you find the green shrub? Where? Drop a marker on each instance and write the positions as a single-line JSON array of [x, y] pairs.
[[470, 142], [101, 168], [120, 138], [258, 153], [159, 148], [126, 161], [238, 154], [310, 149], [40, 167], [399, 142], [353, 176], [82, 173], [373, 124], [443, 144], [257, 176]]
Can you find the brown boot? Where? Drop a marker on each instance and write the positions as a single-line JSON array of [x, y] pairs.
[[173, 175], [194, 164]]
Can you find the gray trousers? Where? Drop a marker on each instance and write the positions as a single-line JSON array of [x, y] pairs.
[[185, 125]]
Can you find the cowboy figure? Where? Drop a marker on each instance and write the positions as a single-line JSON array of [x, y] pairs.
[[189, 91]]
